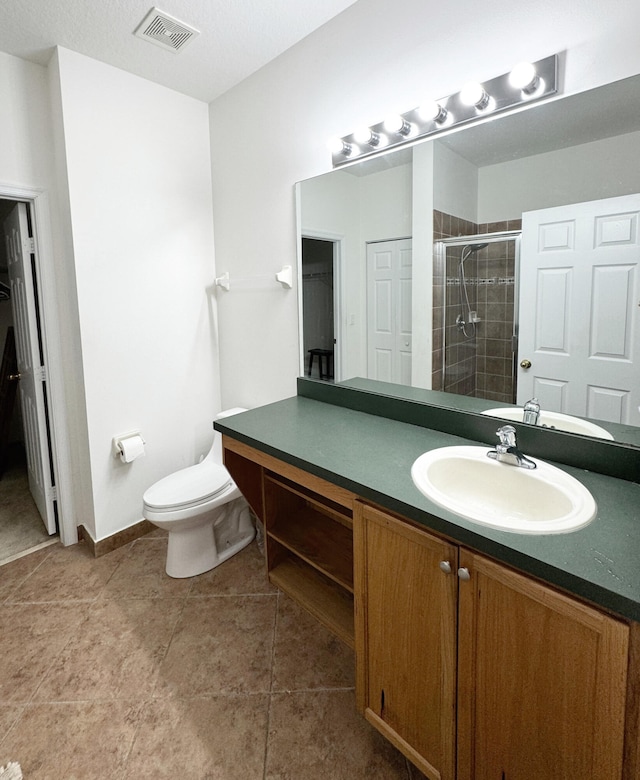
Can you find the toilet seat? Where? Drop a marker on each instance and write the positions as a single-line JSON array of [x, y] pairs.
[[188, 487]]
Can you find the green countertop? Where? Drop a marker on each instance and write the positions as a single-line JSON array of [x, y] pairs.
[[372, 457]]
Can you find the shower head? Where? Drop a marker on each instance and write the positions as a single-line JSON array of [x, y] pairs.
[[471, 249]]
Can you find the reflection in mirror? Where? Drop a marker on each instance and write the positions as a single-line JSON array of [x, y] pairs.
[[562, 326]]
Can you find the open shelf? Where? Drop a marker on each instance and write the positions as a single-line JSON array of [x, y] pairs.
[[309, 542], [329, 603], [321, 542]]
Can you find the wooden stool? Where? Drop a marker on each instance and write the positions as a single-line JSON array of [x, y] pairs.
[[324, 356]]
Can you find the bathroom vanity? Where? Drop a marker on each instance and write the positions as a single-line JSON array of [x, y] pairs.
[[479, 653]]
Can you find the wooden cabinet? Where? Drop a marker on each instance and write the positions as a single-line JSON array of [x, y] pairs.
[[406, 638], [529, 683], [542, 680], [490, 675]]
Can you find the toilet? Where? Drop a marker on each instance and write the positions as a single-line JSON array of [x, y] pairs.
[[201, 507]]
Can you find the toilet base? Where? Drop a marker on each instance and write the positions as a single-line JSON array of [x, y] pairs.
[[193, 551]]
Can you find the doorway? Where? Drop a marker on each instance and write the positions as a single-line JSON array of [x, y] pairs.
[[28, 518], [319, 343]]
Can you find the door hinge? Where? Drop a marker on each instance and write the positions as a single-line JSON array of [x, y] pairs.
[[31, 244], [40, 374], [52, 493]]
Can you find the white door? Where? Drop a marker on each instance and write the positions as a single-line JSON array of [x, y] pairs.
[[389, 311], [31, 387], [579, 309]]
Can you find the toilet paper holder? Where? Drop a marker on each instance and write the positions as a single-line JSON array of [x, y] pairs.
[[118, 443]]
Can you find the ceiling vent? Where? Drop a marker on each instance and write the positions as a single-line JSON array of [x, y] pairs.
[[166, 31]]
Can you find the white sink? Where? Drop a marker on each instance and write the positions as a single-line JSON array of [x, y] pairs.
[[544, 500], [562, 422]]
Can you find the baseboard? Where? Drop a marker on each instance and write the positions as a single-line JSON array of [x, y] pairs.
[[119, 539]]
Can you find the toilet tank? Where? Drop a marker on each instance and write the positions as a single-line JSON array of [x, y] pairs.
[[216, 448]]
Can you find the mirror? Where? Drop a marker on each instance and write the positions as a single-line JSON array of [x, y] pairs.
[[443, 195]]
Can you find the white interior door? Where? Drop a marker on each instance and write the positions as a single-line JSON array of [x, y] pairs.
[[31, 387], [389, 311], [579, 309]]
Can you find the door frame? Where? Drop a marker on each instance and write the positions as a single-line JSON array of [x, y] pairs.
[[37, 201], [337, 241]]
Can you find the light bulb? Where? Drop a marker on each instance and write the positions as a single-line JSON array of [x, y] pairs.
[[432, 111], [524, 77], [365, 135], [395, 123], [337, 146], [473, 94]]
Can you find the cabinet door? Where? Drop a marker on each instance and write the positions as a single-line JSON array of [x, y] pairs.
[[406, 637], [541, 681]]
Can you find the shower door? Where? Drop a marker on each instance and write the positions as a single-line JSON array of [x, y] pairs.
[[479, 316]]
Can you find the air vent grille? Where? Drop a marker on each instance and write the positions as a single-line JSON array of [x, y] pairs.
[[163, 30]]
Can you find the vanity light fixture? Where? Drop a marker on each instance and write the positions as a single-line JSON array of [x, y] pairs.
[[525, 83]]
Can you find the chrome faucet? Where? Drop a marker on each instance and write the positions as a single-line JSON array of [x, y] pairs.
[[531, 412], [507, 451]]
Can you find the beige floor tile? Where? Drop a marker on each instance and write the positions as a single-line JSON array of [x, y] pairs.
[[13, 574], [242, 574], [21, 526], [316, 735], [218, 737], [142, 575], [9, 714], [31, 637], [306, 655], [73, 741], [69, 574], [221, 645], [116, 653], [157, 533]]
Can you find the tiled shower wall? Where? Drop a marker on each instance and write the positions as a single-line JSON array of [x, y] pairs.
[[482, 365]]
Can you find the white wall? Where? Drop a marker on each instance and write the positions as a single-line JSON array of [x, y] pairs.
[[25, 147], [601, 169], [377, 56], [357, 210], [139, 202], [457, 184], [27, 165]]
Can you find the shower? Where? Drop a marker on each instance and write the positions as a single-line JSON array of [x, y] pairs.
[[476, 321], [467, 318]]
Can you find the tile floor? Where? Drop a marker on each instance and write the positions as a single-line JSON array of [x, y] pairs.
[[21, 527], [109, 669]]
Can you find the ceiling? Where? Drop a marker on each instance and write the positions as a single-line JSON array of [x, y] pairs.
[[237, 37]]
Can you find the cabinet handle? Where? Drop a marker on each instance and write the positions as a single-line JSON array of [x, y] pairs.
[[445, 566], [463, 573]]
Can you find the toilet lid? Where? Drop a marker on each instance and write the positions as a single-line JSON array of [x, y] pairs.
[[192, 485]]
